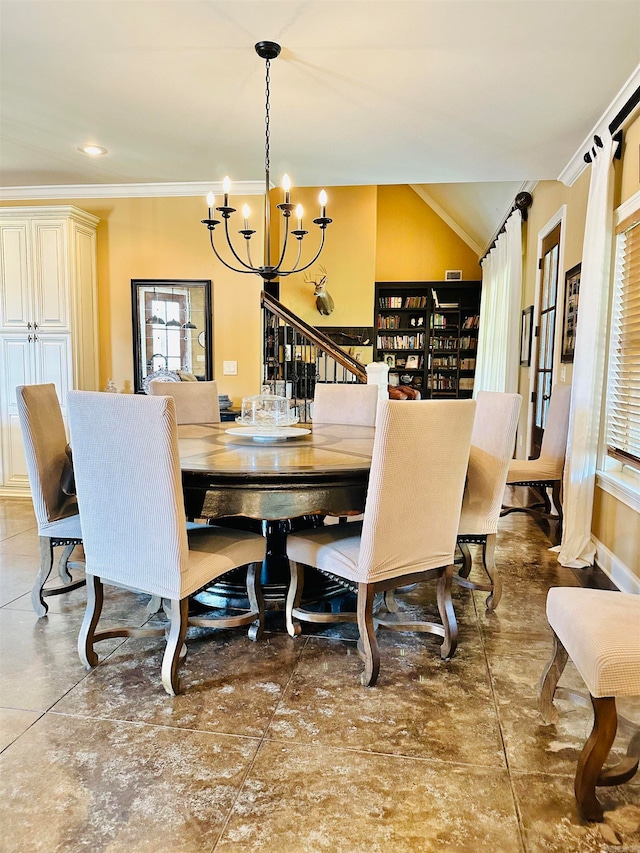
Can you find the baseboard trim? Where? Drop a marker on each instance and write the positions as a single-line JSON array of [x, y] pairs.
[[617, 571]]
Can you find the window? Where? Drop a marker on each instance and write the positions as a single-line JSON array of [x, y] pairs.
[[623, 392]]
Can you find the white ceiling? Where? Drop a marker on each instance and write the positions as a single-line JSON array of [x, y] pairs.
[[364, 92]]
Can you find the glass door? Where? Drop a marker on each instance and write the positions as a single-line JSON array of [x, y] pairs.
[[545, 336]]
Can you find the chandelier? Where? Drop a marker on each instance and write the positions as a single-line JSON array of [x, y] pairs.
[[269, 271]]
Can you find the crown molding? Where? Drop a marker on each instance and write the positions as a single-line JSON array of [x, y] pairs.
[[165, 190], [446, 218], [53, 212], [576, 166]]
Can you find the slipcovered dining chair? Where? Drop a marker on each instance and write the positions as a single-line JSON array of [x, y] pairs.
[[128, 480], [492, 442], [599, 629], [196, 402], [345, 403], [546, 471], [45, 444], [409, 529]]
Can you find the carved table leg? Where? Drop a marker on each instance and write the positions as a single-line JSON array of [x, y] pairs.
[[294, 597]]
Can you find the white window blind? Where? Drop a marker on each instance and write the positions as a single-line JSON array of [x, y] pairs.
[[623, 393]]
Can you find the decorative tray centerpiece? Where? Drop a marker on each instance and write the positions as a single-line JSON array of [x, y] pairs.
[[267, 417], [266, 411]]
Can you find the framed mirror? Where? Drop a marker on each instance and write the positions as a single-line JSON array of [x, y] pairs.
[[171, 328]]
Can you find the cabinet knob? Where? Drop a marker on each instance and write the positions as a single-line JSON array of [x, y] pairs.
[[29, 338], [28, 325], [35, 325]]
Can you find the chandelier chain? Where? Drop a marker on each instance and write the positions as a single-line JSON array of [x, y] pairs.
[[267, 163]]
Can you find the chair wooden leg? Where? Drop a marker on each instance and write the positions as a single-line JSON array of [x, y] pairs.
[[390, 602], [447, 613], [549, 682], [256, 601], [465, 569], [63, 568], [294, 597], [367, 631], [175, 642], [86, 637], [489, 563], [593, 756], [557, 499], [46, 564]]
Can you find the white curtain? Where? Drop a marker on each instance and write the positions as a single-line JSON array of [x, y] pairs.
[[498, 357], [577, 549]]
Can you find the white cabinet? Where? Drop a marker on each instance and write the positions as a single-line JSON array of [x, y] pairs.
[[48, 316]]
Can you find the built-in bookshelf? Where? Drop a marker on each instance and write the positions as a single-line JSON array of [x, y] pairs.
[[427, 332]]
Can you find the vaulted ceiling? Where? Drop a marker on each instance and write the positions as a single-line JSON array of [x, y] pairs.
[[425, 92]]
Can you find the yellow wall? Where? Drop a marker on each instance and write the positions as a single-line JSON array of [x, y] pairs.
[[617, 526], [630, 178], [144, 238], [414, 244], [163, 238], [348, 257]]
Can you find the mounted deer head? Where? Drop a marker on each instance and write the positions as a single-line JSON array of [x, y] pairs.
[[324, 301]]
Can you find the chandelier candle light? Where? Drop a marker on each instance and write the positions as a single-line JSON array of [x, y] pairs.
[[266, 50]]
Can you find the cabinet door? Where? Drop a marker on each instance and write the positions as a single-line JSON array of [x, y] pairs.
[[50, 275], [16, 307], [17, 353], [53, 364]]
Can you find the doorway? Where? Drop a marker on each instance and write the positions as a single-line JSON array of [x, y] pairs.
[[545, 335]]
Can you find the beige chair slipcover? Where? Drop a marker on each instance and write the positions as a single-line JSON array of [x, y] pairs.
[[196, 402], [600, 631], [45, 443], [129, 487], [411, 518], [346, 403], [492, 443], [546, 471]]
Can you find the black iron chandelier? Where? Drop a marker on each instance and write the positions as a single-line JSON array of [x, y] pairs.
[[266, 50]]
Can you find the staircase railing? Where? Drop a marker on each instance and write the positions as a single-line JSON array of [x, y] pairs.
[[297, 356]]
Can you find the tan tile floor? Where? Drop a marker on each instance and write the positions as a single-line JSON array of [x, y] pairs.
[[276, 746]]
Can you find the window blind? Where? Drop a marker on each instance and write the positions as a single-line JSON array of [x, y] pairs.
[[623, 395]]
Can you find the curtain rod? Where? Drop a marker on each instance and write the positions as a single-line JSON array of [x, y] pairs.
[[615, 128], [522, 202]]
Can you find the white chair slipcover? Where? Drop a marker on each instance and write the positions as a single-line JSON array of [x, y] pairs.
[[546, 471], [128, 480], [45, 444], [492, 443], [410, 524], [600, 631], [196, 402], [346, 403]]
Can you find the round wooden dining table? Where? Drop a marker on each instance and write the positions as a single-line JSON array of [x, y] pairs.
[[283, 484]]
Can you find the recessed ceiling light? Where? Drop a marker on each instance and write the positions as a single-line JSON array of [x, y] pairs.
[[92, 150]]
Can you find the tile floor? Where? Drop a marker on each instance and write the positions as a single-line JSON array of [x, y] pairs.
[[276, 746]]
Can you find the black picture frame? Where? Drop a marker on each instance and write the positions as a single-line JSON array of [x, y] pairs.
[[139, 321], [570, 314], [526, 337]]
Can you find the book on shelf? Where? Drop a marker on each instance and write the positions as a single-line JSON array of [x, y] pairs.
[[468, 342], [467, 364], [466, 383], [471, 322], [401, 341]]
